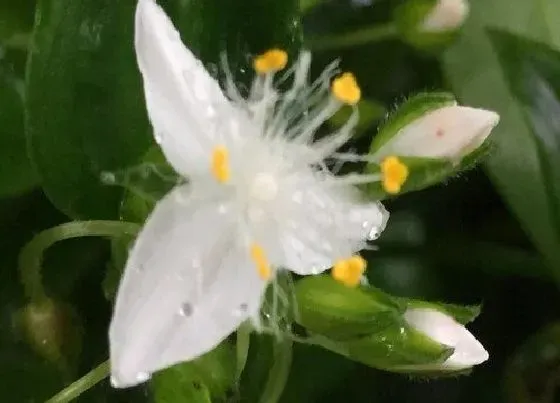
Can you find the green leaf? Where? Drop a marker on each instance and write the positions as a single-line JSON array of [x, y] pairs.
[[307, 5], [327, 307], [85, 109], [16, 20], [209, 377], [212, 27], [476, 76], [532, 71], [16, 173]]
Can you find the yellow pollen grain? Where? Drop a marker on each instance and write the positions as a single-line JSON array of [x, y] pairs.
[[220, 164], [345, 88], [349, 271], [271, 61], [261, 262], [394, 174]]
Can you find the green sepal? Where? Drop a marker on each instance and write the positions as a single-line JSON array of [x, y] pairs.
[[331, 309], [425, 172], [408, 18], [461, 313], [367, 325]]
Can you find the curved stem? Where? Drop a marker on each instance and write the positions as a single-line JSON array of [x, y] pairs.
[[278, 375], [362, 36], [86, 382], [31, 256]]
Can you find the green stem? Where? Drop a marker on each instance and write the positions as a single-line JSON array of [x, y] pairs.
[[242, 348], [278, 375], [31, 256], [86, 382], [362, 36]]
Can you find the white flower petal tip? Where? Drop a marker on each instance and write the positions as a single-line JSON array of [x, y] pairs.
[[447, 15], [450, 132], [444, 329]]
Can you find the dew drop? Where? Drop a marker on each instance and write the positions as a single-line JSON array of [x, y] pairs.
[[315, 269], [108, 178], [373, 231], [241, 310], [222, 209], [158, 137], [142, 376], [114, 382], [186, 309]]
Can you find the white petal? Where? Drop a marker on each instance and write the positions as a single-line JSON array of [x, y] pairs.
[[449, 132], [330, 223], [187, 285], [445, 330], [185, 104]]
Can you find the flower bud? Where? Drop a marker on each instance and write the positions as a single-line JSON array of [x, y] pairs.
[[53, 330], [446, 15], [449, 132], [428, 139], [444, 329], [430, 24]]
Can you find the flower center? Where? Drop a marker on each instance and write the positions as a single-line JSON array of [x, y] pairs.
[[264, 187]]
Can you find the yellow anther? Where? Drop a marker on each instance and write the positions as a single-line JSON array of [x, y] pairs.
[[345, 88], [270, 61], [259, 258], [220, 164], [349, 271], [394, 174]]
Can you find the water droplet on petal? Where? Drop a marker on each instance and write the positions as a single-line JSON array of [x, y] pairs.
[[222, 209], [241, 310], [114, 382], [142, 376], [373, 234], [158, 137], [186, 309]]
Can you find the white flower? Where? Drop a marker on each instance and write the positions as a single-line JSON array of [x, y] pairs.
[[447, 15], [450, 132], [443, 329], [259, 198]]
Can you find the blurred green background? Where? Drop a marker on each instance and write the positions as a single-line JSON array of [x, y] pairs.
[[71, 107]]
